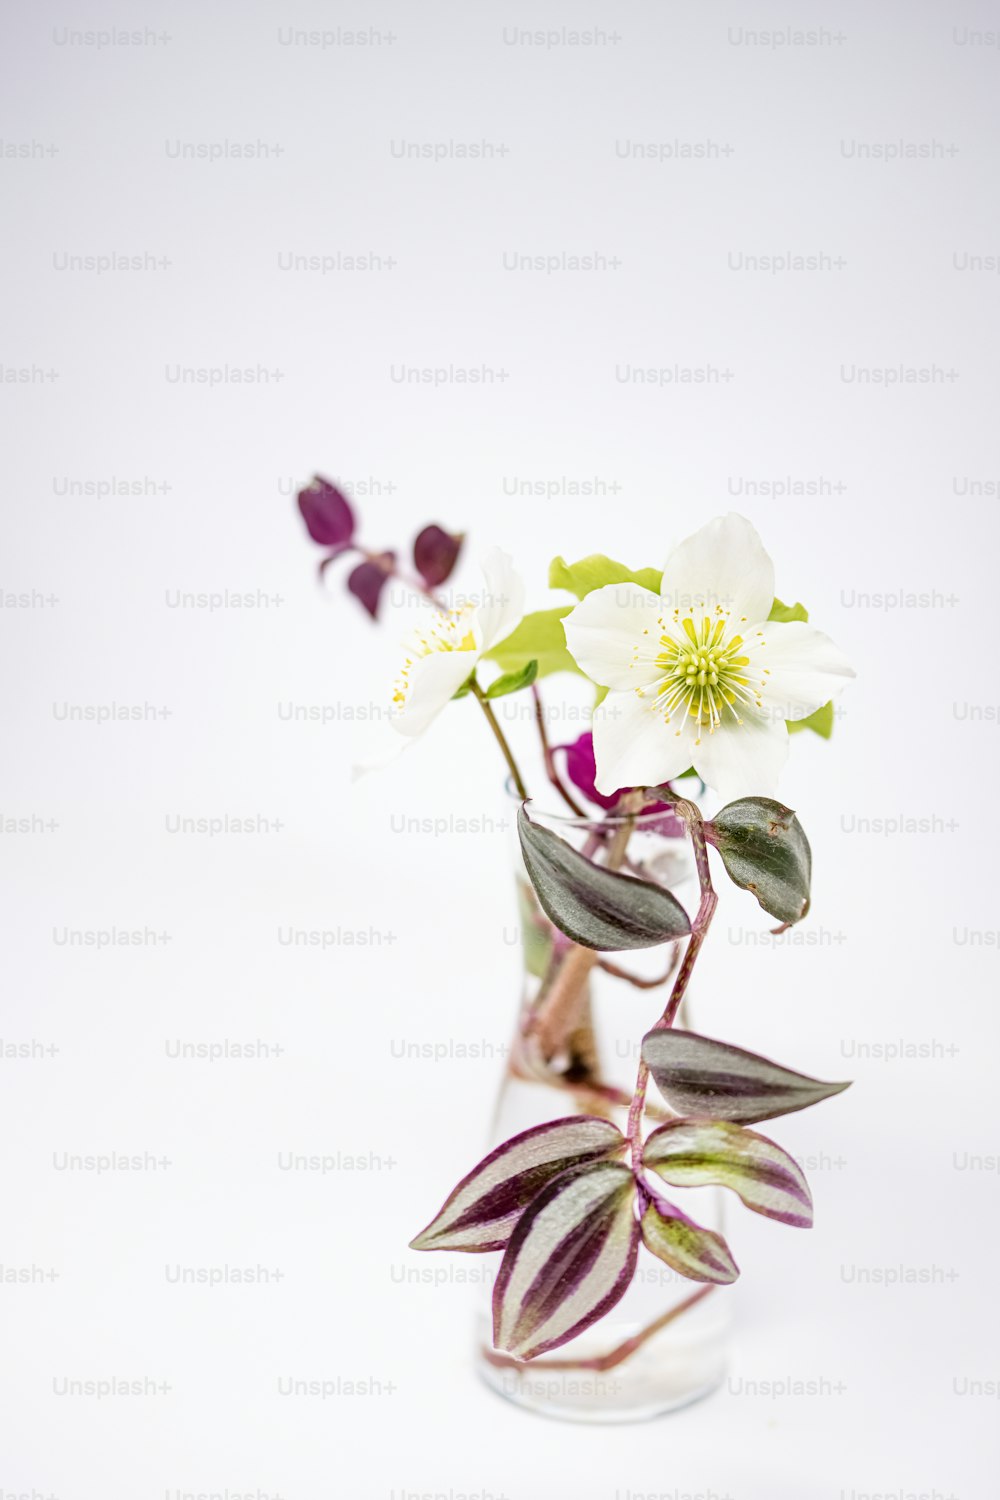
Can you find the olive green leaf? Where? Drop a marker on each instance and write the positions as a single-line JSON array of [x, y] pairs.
[[540, 638], [593, 572], [513, 682], [765, 850]]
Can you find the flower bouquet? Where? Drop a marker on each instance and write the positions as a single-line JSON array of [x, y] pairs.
[[700, 678]]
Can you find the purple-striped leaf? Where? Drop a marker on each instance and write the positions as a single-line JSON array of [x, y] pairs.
[[569, 1260], [692, 1153], [368, 579], [485, 1206], [597, 908], [435, 553], [327, 513], [699, 1254], [713, 1081]]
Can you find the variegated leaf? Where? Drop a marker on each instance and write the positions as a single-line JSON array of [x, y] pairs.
[[569, 1260], [699, 1254], [714, 1081], [596, 907], [485, 1206], [689, 1153]]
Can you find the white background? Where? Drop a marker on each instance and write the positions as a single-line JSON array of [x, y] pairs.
[[908, 481]]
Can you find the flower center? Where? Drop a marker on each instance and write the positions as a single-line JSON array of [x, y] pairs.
[[449, 630], [704, 674]]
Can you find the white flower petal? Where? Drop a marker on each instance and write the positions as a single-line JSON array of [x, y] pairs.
[[805, 668], [503, 600], [606, 629], [634, 747], [722, 564], [433, 682], [742, 760]]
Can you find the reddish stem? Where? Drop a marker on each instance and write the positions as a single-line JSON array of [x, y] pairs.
[[607, 1361], [706, 911], [550, 765]]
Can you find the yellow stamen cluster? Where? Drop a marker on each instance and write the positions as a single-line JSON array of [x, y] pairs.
[[449, 630], [704, 673]]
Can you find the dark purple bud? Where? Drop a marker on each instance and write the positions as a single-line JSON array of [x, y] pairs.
[[368, 580], [581, 768], [435, 553], [327, 514]]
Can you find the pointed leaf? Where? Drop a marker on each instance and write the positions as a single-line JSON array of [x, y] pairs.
[[765, 850], [485, 1206], [820, 721], [687, 1153], [512, 682], [786, 613], [435, 553], [597, 908], [569, 1260], [714, 1081], [327, 513], [593, 572], [368, 579], [699, 1254], [539, 637]]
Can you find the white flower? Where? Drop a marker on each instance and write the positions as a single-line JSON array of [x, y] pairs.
[[444, 651], [698, 676]]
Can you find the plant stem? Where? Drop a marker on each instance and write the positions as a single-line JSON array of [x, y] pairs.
[[501, 739], [550, 765], [608, 1361], [634, 979], [706, 910]]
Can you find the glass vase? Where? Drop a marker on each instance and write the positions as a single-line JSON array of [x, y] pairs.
[[575, 1050]]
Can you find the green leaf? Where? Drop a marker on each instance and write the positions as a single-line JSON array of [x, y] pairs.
[[465, 689], [699, 1254], [539, 637], [784, 613], [765, 850], [820, 722], [593, 572], [594, 906], [512, 682]]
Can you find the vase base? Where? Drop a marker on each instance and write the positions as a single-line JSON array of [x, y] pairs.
[[669, 1372]]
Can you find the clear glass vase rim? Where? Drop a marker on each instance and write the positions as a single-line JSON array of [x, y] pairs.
[[641, 821]]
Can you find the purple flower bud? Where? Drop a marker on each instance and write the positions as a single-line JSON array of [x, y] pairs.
[[327, 514], [435, 553], [368, 579]]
